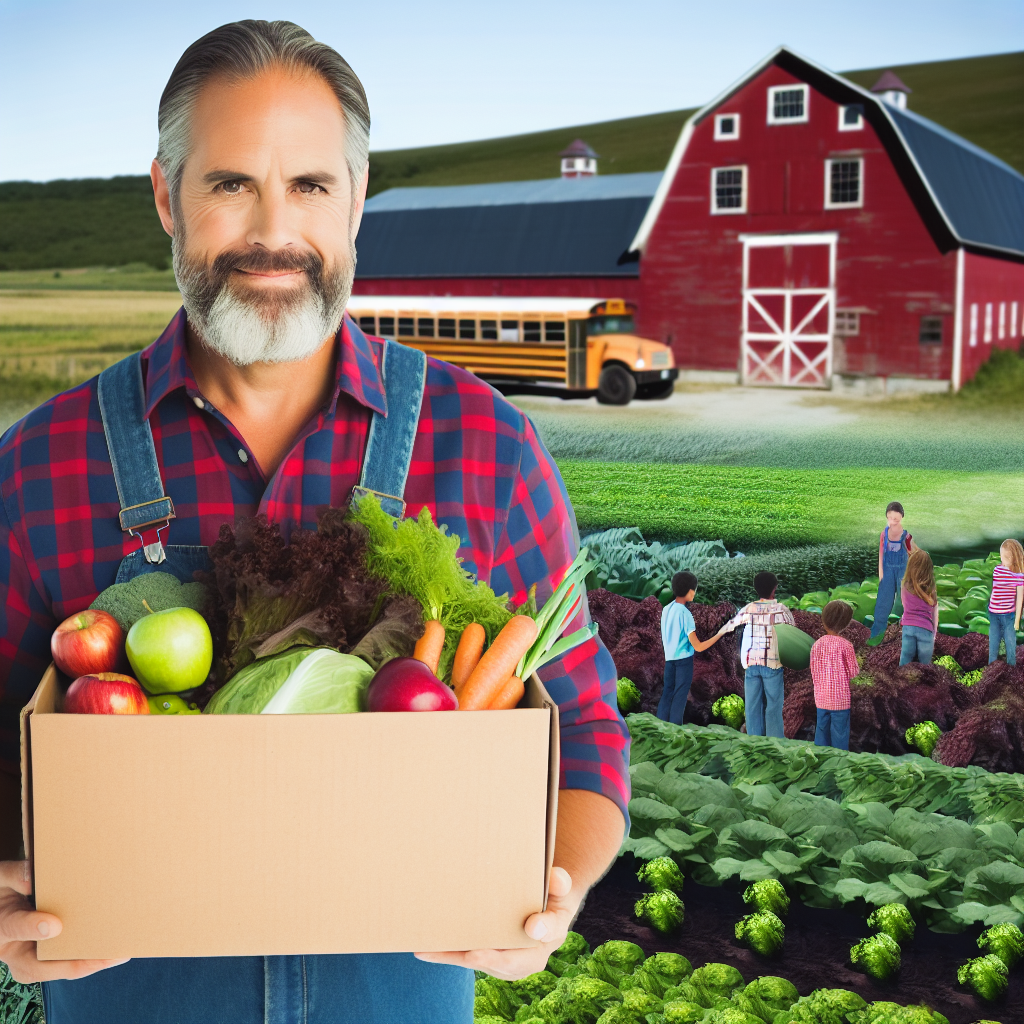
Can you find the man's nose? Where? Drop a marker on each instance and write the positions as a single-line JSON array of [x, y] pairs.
[[270, 226]]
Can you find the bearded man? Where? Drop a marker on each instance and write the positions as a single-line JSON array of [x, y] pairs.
[[259, 397]]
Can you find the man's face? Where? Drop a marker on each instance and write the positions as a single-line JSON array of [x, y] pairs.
[[266, 219]]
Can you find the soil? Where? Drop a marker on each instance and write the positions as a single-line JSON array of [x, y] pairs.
[[815, 954]]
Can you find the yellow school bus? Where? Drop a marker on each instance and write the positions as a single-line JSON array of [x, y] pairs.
[[569, 346]]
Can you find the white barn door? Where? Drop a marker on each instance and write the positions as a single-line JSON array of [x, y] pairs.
[[789, 289]]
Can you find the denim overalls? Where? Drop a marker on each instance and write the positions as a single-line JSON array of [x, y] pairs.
[[377, 988], [894, 561]]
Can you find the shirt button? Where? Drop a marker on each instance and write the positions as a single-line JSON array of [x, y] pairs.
[[243, 456], [200, 404]]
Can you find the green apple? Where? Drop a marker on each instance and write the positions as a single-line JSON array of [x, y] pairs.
[[170, 651], [170, 704]]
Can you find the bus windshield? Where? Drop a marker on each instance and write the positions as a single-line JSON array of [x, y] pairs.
[[622, 324]]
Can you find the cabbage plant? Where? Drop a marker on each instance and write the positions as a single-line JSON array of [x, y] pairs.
[[662, 910], [986, 975], [763, 932], [878, 956], [661, 873], [895, 920], [1005, 941]]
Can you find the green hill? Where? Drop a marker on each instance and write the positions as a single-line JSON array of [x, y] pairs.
[[108, 222]]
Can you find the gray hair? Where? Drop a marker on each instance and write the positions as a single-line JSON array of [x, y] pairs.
[[244, 49]]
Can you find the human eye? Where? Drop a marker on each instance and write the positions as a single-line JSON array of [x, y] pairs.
[[229, 188], [310, 188]]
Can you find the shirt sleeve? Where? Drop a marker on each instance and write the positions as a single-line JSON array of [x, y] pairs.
[[537, 545], [850, 661], [741, 618]]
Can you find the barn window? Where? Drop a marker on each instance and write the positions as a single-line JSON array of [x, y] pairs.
[[406, 327], [445, 328], [1013, 319], [931, 330], [974, 323], [847, 323], [531, 330], [787, 104], [554, 330], [844, 183], [467, 329], [367, 324], [1002, 320], [988, 322], [851, 117], [729, 190], [387, 326], [425, 327], [727, 126]]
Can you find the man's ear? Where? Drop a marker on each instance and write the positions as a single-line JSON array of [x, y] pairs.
[[162, 197], [358, 202]]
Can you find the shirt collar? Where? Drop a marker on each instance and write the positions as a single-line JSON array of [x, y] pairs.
[[358, 372]]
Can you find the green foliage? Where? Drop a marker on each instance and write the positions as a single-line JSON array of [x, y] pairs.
[[568, 953], [823, 1006], [1004, 941], [766, 996], [924, 736], [716, 981], [661, 873], [894, 920], [628, 696], [160, 590], [613, 960], [658, 973], [987, 976], [662, 910], [884, 1012], [730, 709], [768, 894], [878, 955], [535, 986], [19, 1004], [763, 932], [681, 1011], [1000, 379], [496, 998]]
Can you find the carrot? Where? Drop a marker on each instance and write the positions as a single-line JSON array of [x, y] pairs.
[[498, 663], [467, 654], [428, 647], [509, 695]]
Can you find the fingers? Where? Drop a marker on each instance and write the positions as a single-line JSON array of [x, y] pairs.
[[27, 970], [508, 964], [18, 925], [541, 927], [559, 882], [15, 874]]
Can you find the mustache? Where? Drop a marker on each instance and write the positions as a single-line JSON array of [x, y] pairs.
[[264, 260]]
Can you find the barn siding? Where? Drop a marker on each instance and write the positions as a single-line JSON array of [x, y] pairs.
[[988, 280]]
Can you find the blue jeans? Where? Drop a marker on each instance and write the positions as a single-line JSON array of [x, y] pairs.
[[888, 588], [1000, 627], [678, 677], [833, 729], [763, 685], [379, 988], [918, 645]]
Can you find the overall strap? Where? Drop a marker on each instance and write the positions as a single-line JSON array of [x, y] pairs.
[[391, 437], [144, 506]]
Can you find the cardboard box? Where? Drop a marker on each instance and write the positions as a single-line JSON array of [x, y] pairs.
[[256, 835]]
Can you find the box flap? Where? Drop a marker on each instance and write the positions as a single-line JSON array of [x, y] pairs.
[[45, 701], [537, 696]]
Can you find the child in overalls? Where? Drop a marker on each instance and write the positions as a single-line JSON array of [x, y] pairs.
[[894, 547]]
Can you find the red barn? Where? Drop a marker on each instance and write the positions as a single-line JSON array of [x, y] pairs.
[[808, 232]]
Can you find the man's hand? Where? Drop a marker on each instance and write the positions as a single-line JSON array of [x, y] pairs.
[[21, 926], [550, 927]]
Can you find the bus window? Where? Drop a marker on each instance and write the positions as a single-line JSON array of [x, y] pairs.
[[387, 326], [366, 323], [531, 330], [509, 330], [554, 330], [445, 328], [406, 327], [425, 327], [467, 329], [610, 325], [489, 330]]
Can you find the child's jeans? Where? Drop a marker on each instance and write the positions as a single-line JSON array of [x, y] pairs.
[[678, 677], [763, 685], [918, 645], [1000, 627], [833, 729]]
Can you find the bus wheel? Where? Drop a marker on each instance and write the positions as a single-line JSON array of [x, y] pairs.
[[615, 386]]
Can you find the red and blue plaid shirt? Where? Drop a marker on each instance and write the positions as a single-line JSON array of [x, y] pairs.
[[477, 465]]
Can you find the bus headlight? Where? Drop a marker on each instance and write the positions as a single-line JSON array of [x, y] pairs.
[[640, 364]]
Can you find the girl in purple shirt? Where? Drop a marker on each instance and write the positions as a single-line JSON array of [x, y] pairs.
[[920, 620]]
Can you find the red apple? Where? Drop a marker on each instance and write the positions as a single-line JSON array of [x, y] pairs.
[[88, 642], [406, 684], [105, 693]]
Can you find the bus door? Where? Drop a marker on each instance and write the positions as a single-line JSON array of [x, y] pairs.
[[576, 353]]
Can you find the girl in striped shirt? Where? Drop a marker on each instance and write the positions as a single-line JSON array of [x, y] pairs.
[[1004, 605]]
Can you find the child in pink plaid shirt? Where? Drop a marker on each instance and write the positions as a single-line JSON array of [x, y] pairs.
[[833, 665]]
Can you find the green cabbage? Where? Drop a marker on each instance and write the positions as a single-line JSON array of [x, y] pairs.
[[895, 920], [924, 736], [878, 955], [1004, 941], [302, 680], [986, 975], [763, 932], [628, 696], [661, 873], [730, 709], [768, 894], [662, 910]]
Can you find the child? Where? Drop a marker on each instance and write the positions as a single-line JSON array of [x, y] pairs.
[[894, 545], [762, 681], [833, 665], [679, 637], [920, 621], [1005, 603]]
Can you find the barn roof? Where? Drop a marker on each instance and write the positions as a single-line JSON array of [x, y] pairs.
[[966, 196], [553, 227]]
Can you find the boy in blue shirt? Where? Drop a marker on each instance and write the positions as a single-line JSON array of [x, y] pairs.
[[679, 637]]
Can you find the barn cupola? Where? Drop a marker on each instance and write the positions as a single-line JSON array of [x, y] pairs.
[[892, 90], [578, 160]]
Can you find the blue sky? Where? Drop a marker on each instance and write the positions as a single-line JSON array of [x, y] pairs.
[[80, 82]]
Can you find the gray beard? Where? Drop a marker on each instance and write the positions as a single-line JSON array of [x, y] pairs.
[[258, 328]]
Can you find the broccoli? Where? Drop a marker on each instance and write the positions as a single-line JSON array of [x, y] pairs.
[[1004, 941], [657, 974], [680, 1011], [763, 932], [766, 996], [629, 696], [878, 956], [715, 981], [662, 910], [894, 919], [661, 873], [535, 987], [986, 975], [613, 960], [495, 998], [768, 894], [730, 709], [924, 736], [160, 590]]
